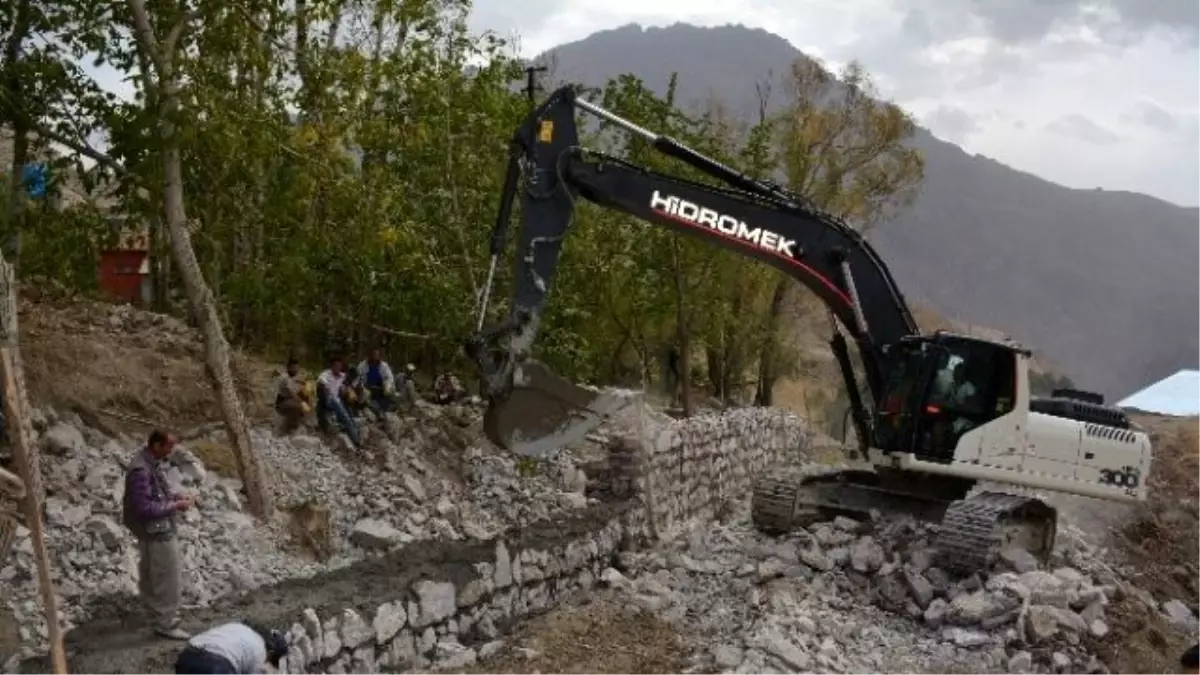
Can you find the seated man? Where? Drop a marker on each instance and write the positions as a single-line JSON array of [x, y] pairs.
[[331, 388], [962, 399], [447, 389], [377, 382], [406, 385], [353, 396], [291, 397]]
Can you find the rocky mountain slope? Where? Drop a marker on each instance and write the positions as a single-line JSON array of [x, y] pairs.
[[1080, 275]]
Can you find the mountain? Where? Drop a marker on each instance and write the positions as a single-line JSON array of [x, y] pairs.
[[1103, 284]]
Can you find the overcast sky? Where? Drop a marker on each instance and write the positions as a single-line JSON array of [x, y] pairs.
[[1087, 94], [1103, 93]]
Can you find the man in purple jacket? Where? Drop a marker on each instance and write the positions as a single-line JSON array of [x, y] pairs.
[[149, 509]]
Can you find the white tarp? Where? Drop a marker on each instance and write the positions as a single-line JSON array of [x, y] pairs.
[[1178, 394]]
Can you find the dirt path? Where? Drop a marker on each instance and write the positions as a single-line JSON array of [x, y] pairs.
[[600, 634]]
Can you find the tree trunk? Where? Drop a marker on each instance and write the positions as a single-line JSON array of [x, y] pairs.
[[160, 264], [683, 333], [765, 395], [200, 296], [714, 357], [216, 348], [20, 130], [731, 354], [25, 456]]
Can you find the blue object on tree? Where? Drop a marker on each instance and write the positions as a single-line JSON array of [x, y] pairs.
[[34, 177]]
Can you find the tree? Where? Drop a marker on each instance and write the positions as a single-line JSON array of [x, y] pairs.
[[339, 162], [847, 153], [162, 91]]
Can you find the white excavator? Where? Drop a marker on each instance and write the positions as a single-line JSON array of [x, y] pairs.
[[946, 412]]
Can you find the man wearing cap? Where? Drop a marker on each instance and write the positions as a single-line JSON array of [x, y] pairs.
[[235, 648]]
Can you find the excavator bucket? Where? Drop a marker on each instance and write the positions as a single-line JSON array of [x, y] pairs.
[[544, 412]]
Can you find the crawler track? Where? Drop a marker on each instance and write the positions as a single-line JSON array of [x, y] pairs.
[[973, 529]]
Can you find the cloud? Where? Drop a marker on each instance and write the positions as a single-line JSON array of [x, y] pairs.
[[1079, 127], [1152, 115], [1031, 21], [952, 123]]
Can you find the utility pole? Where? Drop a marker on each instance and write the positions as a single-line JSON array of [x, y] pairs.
[[531, 85]]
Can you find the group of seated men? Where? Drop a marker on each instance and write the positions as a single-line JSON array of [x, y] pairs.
[[339, 395]]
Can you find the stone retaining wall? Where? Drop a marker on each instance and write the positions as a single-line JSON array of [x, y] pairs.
[[444, 603], [442, 622], [691, 469]]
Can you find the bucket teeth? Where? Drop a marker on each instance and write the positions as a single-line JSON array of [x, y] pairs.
[[544, 412]]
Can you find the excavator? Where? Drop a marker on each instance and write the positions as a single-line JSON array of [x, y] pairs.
[[947, 429]]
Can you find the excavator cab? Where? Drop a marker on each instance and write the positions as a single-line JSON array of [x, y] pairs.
[[940, 387]]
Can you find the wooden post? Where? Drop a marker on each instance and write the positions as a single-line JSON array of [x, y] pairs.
[[25, 456]]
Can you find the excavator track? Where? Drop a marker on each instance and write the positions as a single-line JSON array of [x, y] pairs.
[[973, 528], [790, 498], [781, 501], [976, 529]]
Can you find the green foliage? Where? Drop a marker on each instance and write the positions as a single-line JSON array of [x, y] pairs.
[[342, 163]]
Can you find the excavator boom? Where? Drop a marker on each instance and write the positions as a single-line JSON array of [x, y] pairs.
[[531, 410]]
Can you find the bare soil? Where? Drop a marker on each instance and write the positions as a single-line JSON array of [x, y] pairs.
[[598, 635], [1141, 640], [124, 368], [1162, 539]]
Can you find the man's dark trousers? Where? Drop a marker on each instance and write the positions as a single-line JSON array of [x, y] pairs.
[[199, 661]]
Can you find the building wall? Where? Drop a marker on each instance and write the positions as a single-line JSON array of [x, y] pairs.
[[121, 274]]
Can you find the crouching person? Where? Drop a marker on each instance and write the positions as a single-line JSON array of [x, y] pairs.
[[291, 397], [148, 509], [235, 647]]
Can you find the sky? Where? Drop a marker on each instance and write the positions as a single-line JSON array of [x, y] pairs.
[[1104, 93]]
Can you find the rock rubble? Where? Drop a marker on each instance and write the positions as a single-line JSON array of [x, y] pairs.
[[406, 496], [844, 596], [838, 596]]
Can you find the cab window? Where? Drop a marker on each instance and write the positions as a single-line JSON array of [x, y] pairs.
[[974, 383]]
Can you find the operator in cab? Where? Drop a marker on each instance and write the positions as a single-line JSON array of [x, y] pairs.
[[954, 399], [962, 391]]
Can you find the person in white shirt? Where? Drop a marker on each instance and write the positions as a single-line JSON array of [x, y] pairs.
[[235, 648], [376, 378], [961, 398], [962, 392], [329, 398]]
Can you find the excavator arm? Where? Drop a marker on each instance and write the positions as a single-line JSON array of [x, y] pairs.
[[532, 411]]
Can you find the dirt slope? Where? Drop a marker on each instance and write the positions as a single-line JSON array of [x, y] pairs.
[[122, 367]]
